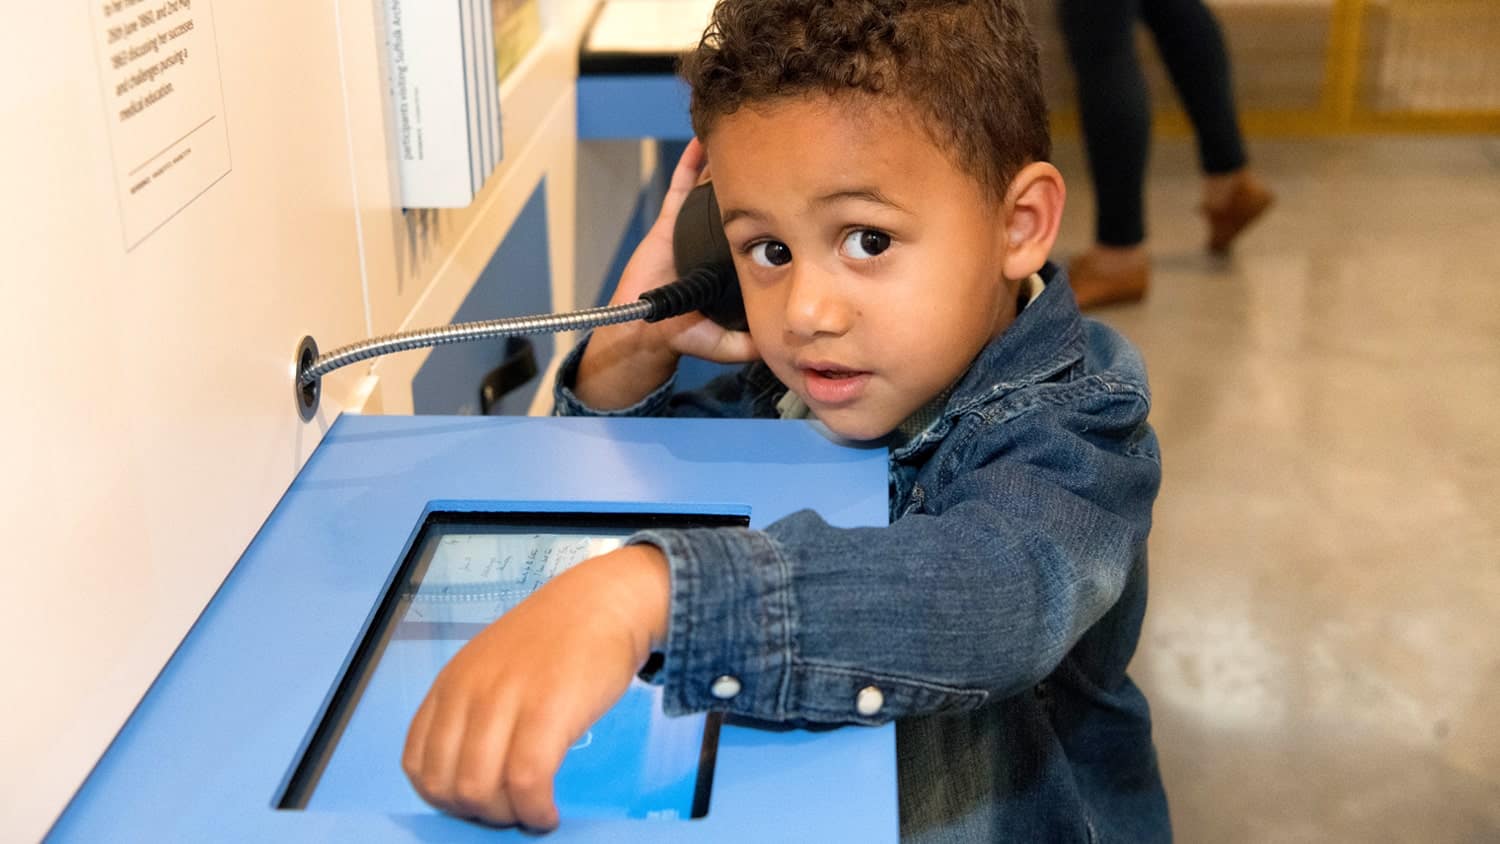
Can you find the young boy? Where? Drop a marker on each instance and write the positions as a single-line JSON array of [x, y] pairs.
[[881, 170]]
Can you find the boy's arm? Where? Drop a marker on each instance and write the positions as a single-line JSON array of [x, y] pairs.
[[979, 595]]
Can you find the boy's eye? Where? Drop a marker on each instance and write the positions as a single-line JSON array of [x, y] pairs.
[[866, 243], [771, 253]]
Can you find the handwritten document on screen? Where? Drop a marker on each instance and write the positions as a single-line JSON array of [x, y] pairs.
[[474, 578]]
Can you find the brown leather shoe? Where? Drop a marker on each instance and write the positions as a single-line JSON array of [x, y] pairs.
[[1104, 276], [1248, 201]]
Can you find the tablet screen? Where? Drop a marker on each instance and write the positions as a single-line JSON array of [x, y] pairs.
[[464, 571]]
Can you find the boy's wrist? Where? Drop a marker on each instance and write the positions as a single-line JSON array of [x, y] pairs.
[[622, 365], [644, 578]]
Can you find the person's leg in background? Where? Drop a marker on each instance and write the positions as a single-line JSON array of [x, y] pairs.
[[1192, 47], [1115, 112]]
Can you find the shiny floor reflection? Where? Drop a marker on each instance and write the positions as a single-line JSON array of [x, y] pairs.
[[1322, 649]]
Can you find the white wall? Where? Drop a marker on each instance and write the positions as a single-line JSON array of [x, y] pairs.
[[149, 425]]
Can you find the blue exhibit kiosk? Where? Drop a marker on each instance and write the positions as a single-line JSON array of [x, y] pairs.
[[282, 715]]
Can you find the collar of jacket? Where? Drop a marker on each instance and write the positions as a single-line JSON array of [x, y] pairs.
[[1045, 339]]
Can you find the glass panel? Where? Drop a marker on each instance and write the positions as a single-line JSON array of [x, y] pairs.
[[465, 571], [1431, 56]]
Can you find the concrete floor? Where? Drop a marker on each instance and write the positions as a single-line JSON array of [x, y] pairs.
[[1322, 650]]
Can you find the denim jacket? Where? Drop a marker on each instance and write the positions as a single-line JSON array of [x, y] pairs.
[[995, 615]]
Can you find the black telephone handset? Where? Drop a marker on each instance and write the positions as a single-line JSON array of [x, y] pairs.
[[698, 241]]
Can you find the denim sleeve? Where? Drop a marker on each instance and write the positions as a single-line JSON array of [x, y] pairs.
[[724, 397], [978, 592]]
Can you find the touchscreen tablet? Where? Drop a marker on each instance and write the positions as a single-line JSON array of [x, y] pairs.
[[464, 571]]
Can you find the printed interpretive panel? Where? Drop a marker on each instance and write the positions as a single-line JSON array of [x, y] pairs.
[[159, 69]]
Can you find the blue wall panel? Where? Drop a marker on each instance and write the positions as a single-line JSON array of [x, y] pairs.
[[516, 282]]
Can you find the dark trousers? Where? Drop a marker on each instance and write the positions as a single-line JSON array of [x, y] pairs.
[[1115, 108]]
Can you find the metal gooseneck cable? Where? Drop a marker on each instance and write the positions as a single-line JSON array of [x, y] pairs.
[[695, 290]]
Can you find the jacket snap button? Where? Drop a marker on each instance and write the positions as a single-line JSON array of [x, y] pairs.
[[725, 687], [869, 701]]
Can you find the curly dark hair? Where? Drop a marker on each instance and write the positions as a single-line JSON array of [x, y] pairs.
[[968, 69]]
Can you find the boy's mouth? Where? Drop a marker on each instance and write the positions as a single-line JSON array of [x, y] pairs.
[[830, 385]]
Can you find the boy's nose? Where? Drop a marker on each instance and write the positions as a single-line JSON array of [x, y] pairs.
[[815, 305]]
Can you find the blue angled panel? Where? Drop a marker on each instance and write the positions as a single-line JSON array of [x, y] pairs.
[[517, 281], [633, 106]]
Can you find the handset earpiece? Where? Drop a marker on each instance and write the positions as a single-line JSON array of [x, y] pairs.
[[698, 241]]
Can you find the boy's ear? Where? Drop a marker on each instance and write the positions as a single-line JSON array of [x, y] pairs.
[[1033, 213]]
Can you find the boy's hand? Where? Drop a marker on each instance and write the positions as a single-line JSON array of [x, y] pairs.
[[625, 362], [489, 738]]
